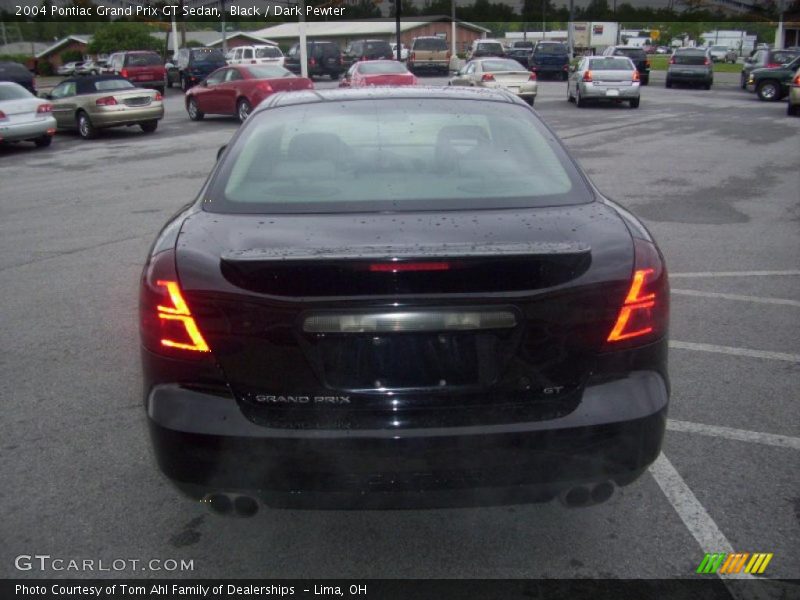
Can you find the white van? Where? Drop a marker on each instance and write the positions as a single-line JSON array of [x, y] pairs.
[[255, 55]]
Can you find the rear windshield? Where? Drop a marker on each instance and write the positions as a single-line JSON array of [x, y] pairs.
[[17, 70], [631, 52], [523, 45], [377, 68], [393, 154], [377, 47], [689, 58], [719, 48], [324, 49], [267, 71], [14, 92], [207, 55], [107, 85], [268, 52], [142, 60], [611, 64], [502, 65], [430, 44], [490, 47], [551, 49]]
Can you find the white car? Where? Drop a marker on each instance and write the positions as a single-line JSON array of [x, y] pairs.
[[68, 68], [255, 55], [24, 117], [403, 51]]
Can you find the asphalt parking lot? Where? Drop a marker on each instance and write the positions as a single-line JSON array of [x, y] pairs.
[[713, 174]]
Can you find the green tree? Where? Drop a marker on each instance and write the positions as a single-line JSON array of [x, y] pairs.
[[123, 36]]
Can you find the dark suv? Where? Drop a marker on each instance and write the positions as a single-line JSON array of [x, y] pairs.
[[11, 71], [195, 64], [773, 84], [550, 58], [324, 58], [366, 50], [637, 55], [766, 59]]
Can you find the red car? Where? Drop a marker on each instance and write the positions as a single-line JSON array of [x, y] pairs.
[[238, 89], [378, 72]]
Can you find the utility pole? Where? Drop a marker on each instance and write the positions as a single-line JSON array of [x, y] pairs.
[[570, 40], [224, 32], [303, 49], [544, 18], [397, 9], [453, 46]]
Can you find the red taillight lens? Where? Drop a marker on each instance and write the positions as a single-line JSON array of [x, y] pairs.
[[636, 76], [44, 108], [179, 329], [411, 57], [532, 77], [400, 267], [647, 64], [644, 315], [158, 97], [706, 61], [587, 76], [487, 77], [797, 80], [312, 61], [106, 101], [2, 115], [672, 61], [167, 325], [124, 72]]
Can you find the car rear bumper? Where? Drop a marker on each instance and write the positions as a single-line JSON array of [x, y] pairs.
[[35, 128], [550, 69], [432, 64], [794, 95], [152, 83], [626, 92], [689, 75], [205, 444], [113, 116]]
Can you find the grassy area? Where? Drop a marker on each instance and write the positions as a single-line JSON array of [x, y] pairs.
[[659, 62]]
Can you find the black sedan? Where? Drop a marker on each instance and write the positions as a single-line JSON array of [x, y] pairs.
[[402, 295]]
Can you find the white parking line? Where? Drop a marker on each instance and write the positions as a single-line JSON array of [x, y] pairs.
[[795, 358], [756, 299], [694, 516], [704, 274], [742, 435]]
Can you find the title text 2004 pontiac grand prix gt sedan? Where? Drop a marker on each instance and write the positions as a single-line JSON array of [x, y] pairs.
[[448, 312]]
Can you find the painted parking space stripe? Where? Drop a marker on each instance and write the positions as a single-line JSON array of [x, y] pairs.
[[704, 274], [697, 520], [747, 352], [737, 297], [742, 435]]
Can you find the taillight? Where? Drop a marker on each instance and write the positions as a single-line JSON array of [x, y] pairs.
[[312, 61], [253, 62], [411, 57], [487, 77], [672, 60], [796, 80], [532, 77], [106, 101], [167, 325], [124, 72], [402, 267], [644, 315], [636, 76], [158, 97], [44, 108], [587, 76], [647, 64], [706, 61], [2, 116], [773, 65]]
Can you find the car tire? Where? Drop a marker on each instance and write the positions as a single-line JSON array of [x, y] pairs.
[[44, 141], [195, 114], [743, 81], [579, 102], [149, 126], [634, 103], [668, 83], [184, 84], [707, 86], [645, 80], [793, 110], [530, 101], [162, 90], [564, 76], [769, 91], [85, 128], [569, 95], [243, 108]]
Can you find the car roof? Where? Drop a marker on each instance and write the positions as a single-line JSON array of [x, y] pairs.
[[387, 93]]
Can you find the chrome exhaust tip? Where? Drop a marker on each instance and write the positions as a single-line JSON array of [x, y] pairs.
[[582, 495]]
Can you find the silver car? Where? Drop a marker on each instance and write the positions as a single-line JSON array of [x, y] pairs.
[[502, 73], [612, 78], [24, 117]]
